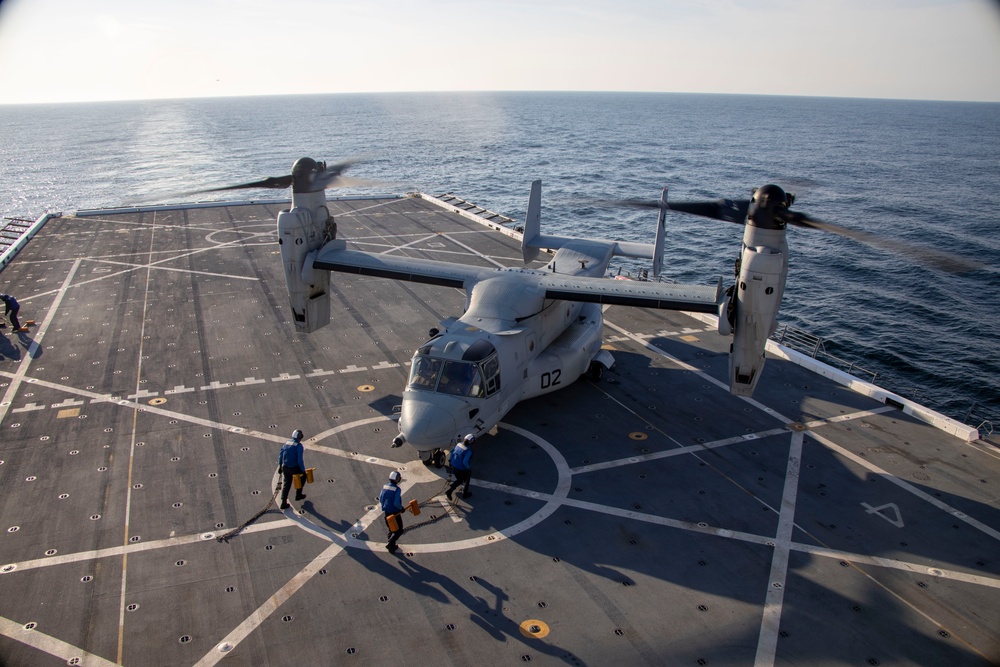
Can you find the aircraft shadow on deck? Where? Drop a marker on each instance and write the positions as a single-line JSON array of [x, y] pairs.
[[839, 506]]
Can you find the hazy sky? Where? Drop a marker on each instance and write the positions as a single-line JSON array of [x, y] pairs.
[[77, 50]]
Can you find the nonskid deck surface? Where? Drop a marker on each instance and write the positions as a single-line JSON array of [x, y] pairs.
[[650, 518]]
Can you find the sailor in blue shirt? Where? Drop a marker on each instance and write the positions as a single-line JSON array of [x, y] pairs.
[[290, 462], [391, 499], [10, 307], [461, 464]]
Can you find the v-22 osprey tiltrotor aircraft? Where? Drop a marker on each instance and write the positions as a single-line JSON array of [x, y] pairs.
[[526, 332]]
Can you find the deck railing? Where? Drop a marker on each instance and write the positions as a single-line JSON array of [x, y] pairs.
[[985, 424], [815, 347]]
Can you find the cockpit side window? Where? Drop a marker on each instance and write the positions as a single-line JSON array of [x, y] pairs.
[[491, 374], [424, 373]]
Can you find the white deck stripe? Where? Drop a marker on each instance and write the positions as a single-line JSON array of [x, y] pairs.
[[50, 645], [767, 641], [136, 547], [475, 252], [131, 451], [725, 442], [180, 416], [149, 265], [171, 268], [252, 622], [894, 564], [663, 353], [22, 368], [906, 486], [407, 245], [823, 552]]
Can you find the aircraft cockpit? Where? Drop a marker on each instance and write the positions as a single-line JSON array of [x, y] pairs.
[[474, 373]]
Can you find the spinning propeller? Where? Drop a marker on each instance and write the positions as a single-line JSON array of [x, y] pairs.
[[307, 175], [769, 209]]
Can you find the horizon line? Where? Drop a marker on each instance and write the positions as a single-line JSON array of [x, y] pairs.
[[486, 91]]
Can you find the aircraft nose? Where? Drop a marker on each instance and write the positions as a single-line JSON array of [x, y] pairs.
[[426, 425]]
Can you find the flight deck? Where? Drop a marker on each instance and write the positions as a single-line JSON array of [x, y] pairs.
[[647, 518]]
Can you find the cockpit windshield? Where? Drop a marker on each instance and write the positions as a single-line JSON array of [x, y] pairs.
[[424, 373], [460, 378], [455, 378]]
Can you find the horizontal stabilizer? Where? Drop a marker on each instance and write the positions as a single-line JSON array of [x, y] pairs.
[[532, 240]]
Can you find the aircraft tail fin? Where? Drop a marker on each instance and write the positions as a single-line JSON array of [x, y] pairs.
[[533, 240], [532, 224], [652, 251], [661, 233]]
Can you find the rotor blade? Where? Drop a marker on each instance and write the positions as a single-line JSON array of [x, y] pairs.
[[330, 177], [938, 259], [277, 182], [628, 203], [722, 209], [348, 182], [729, 210]]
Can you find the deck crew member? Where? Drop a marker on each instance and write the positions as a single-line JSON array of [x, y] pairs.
[[10, 307], [290, 463], [461, 463], [391, 499]]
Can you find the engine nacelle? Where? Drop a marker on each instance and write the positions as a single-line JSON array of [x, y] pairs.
[[302, 231], [760, 285]]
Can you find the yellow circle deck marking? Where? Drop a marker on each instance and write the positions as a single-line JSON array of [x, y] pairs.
[[638, 435], [366, 387], [534, 628], [157, 401]]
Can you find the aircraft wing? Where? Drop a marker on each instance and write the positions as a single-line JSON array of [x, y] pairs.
[[334, 257], [692, 298]]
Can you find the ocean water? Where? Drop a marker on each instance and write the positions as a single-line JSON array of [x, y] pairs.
[[926, 173]]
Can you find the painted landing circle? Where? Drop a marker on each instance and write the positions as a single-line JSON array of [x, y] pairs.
[[418, 475]]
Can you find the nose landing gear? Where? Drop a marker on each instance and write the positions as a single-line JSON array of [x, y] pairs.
[[435, 458]]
